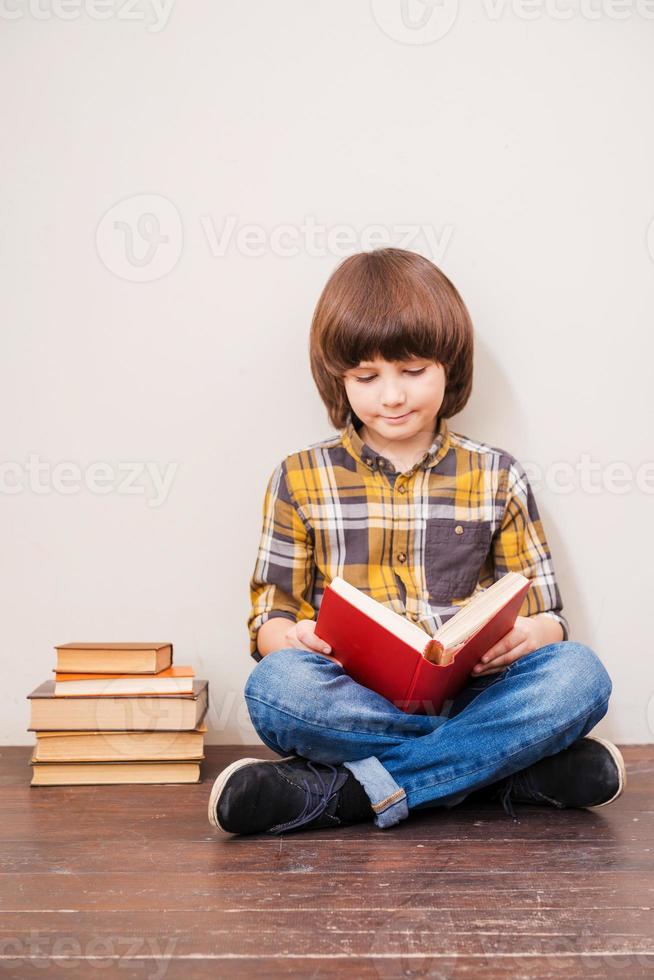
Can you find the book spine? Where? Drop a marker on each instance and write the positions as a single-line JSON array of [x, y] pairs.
[[434, 652]]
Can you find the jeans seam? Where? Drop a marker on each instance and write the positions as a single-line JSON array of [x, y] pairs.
[[473, 772], [268, 743], [345, 731]]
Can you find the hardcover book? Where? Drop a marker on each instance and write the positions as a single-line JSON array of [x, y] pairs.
[[108, 773], [173, 680], [396, 658], [81, 746], [114, 658], [120, 712]]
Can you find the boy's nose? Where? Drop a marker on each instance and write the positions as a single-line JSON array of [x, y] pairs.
[[393, 403]]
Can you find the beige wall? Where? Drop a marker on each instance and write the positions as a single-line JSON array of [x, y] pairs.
[[516, 153]]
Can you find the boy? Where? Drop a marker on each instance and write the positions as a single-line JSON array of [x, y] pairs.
[[421, 518]]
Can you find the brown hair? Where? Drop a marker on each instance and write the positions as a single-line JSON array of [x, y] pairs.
[[393, 304]]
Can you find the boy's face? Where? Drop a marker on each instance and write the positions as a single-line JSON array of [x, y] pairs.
[[379, 391]]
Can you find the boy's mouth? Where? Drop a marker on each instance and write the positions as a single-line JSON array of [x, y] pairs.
[[396, 418]]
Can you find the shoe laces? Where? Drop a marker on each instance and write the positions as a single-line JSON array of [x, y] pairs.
[[311, 810], [510, 784]]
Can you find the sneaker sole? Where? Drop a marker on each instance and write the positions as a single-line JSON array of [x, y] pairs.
[[221, 780], [616, 755]]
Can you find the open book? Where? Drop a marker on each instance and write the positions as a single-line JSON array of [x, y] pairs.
[[396, 658]]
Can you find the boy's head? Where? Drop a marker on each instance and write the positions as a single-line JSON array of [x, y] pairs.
[[391, 335]]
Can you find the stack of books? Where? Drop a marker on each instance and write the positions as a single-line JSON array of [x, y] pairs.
[[118, 713]]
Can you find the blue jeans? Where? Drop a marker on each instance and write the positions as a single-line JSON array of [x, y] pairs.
[[303, 703]]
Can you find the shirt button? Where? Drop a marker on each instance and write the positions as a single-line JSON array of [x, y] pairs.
[[458, 529], [401, 557], [402, 488]]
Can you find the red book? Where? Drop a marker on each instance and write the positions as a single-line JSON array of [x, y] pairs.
[[396, 658]]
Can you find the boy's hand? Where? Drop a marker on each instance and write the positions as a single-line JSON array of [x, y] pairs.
[[302, 636], [528, 634]]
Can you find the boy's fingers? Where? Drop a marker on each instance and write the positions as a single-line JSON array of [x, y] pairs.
[[505, 645], [308, 636], [502, 661]]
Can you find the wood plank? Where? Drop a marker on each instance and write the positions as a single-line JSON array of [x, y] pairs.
[[161, 829], [389, 967], [464, 927], [160, 822], [215, 891], [223, 944], [293, 854]]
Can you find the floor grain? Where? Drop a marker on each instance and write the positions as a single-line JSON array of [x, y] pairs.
[[132, 881]]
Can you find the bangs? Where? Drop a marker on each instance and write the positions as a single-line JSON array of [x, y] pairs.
[[384, 306]]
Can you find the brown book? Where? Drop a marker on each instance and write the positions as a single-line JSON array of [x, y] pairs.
[[173, 680], [94, 773], [119, 746], [113, 658], [125, 712]]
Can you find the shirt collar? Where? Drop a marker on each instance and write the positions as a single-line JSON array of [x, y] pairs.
[[365, 454]]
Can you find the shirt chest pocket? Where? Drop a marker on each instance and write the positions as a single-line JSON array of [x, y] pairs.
[[454, 554]]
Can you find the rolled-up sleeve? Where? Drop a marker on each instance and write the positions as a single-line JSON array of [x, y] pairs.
[[283, 576], [519, 545]]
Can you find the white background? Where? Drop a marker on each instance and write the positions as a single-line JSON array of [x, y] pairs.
[[526, 146]]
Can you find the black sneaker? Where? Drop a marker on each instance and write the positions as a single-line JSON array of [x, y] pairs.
[[589, 773], [255, 796]]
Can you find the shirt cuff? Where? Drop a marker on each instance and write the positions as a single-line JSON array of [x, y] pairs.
[[273, 614], [560, 619]]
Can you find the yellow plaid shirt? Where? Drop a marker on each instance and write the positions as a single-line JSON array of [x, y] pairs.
[[422, 541]]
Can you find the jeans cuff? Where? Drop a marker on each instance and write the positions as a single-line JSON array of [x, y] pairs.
[[387, 799]]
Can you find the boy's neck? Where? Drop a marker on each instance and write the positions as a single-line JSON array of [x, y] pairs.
[[404, 453]]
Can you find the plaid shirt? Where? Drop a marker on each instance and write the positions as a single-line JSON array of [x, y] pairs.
[[422, 542]]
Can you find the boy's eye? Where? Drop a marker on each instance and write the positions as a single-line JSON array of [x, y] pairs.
[[373, 376]]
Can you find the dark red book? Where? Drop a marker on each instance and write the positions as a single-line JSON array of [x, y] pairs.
[[396, 658]]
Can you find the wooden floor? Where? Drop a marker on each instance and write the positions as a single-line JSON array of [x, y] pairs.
[[133, 882]]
